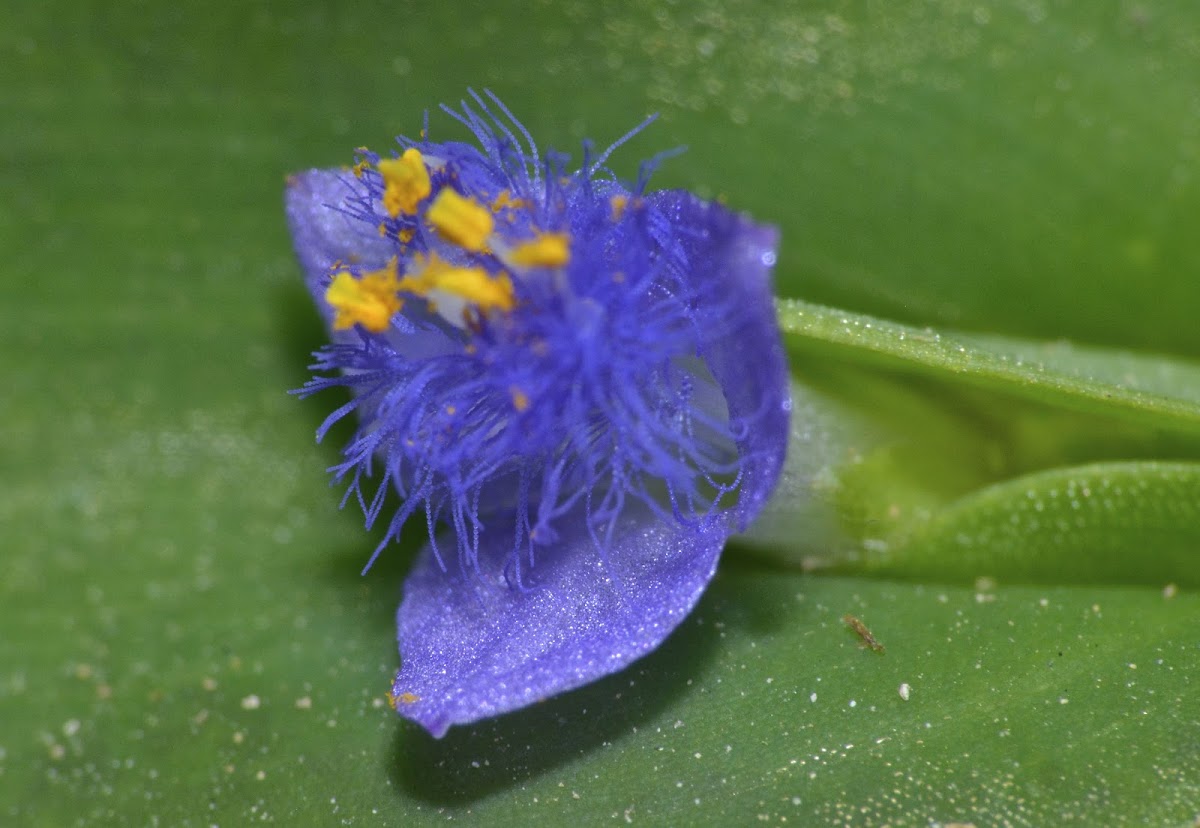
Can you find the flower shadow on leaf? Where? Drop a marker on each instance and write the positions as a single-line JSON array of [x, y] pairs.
[[472, 762]]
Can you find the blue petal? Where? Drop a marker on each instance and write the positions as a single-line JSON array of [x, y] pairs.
[[473, 645], [323, 234], [737, 257]]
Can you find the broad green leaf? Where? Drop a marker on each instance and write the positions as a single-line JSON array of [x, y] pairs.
[[1025, 167], [1031, 705], [184, 638]]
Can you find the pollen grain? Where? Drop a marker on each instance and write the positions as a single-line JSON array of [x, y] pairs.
[[520, 399], [618, 204], [505, 200]]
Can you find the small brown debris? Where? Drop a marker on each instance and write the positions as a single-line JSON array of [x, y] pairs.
[[860, 629], [397, 699]]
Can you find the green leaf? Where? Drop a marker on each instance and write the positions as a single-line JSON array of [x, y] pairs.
[[1025, 704], [1155, 391], [1066, 525], [920, 454]]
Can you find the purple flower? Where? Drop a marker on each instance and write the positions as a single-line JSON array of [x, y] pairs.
[[576, 384]]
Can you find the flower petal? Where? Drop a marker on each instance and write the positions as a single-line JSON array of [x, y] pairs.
[[324, 235], [473, 646], [737, 256]]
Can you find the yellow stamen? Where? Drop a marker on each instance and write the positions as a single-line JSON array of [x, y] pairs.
[[477, 287], [520, 399], [406, 235], [462, 221], [370, 301], [359, 167], [473, 284], [407, 182], [547, 250]]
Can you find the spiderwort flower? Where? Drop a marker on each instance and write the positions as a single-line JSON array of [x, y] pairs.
[[578, 386]]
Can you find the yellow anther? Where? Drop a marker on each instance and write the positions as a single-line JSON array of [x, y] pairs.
[[370, 301], [520, 399], [505, 199], [460, 220], [547, 250], [477, 287], [406, 181], [359, 167], [406, 235], [383, 228], [618, 202], [472, 284]]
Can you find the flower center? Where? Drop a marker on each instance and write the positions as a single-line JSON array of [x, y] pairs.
[[456, 253]]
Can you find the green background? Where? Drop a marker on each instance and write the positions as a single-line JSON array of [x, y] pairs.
[[184, 636]]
